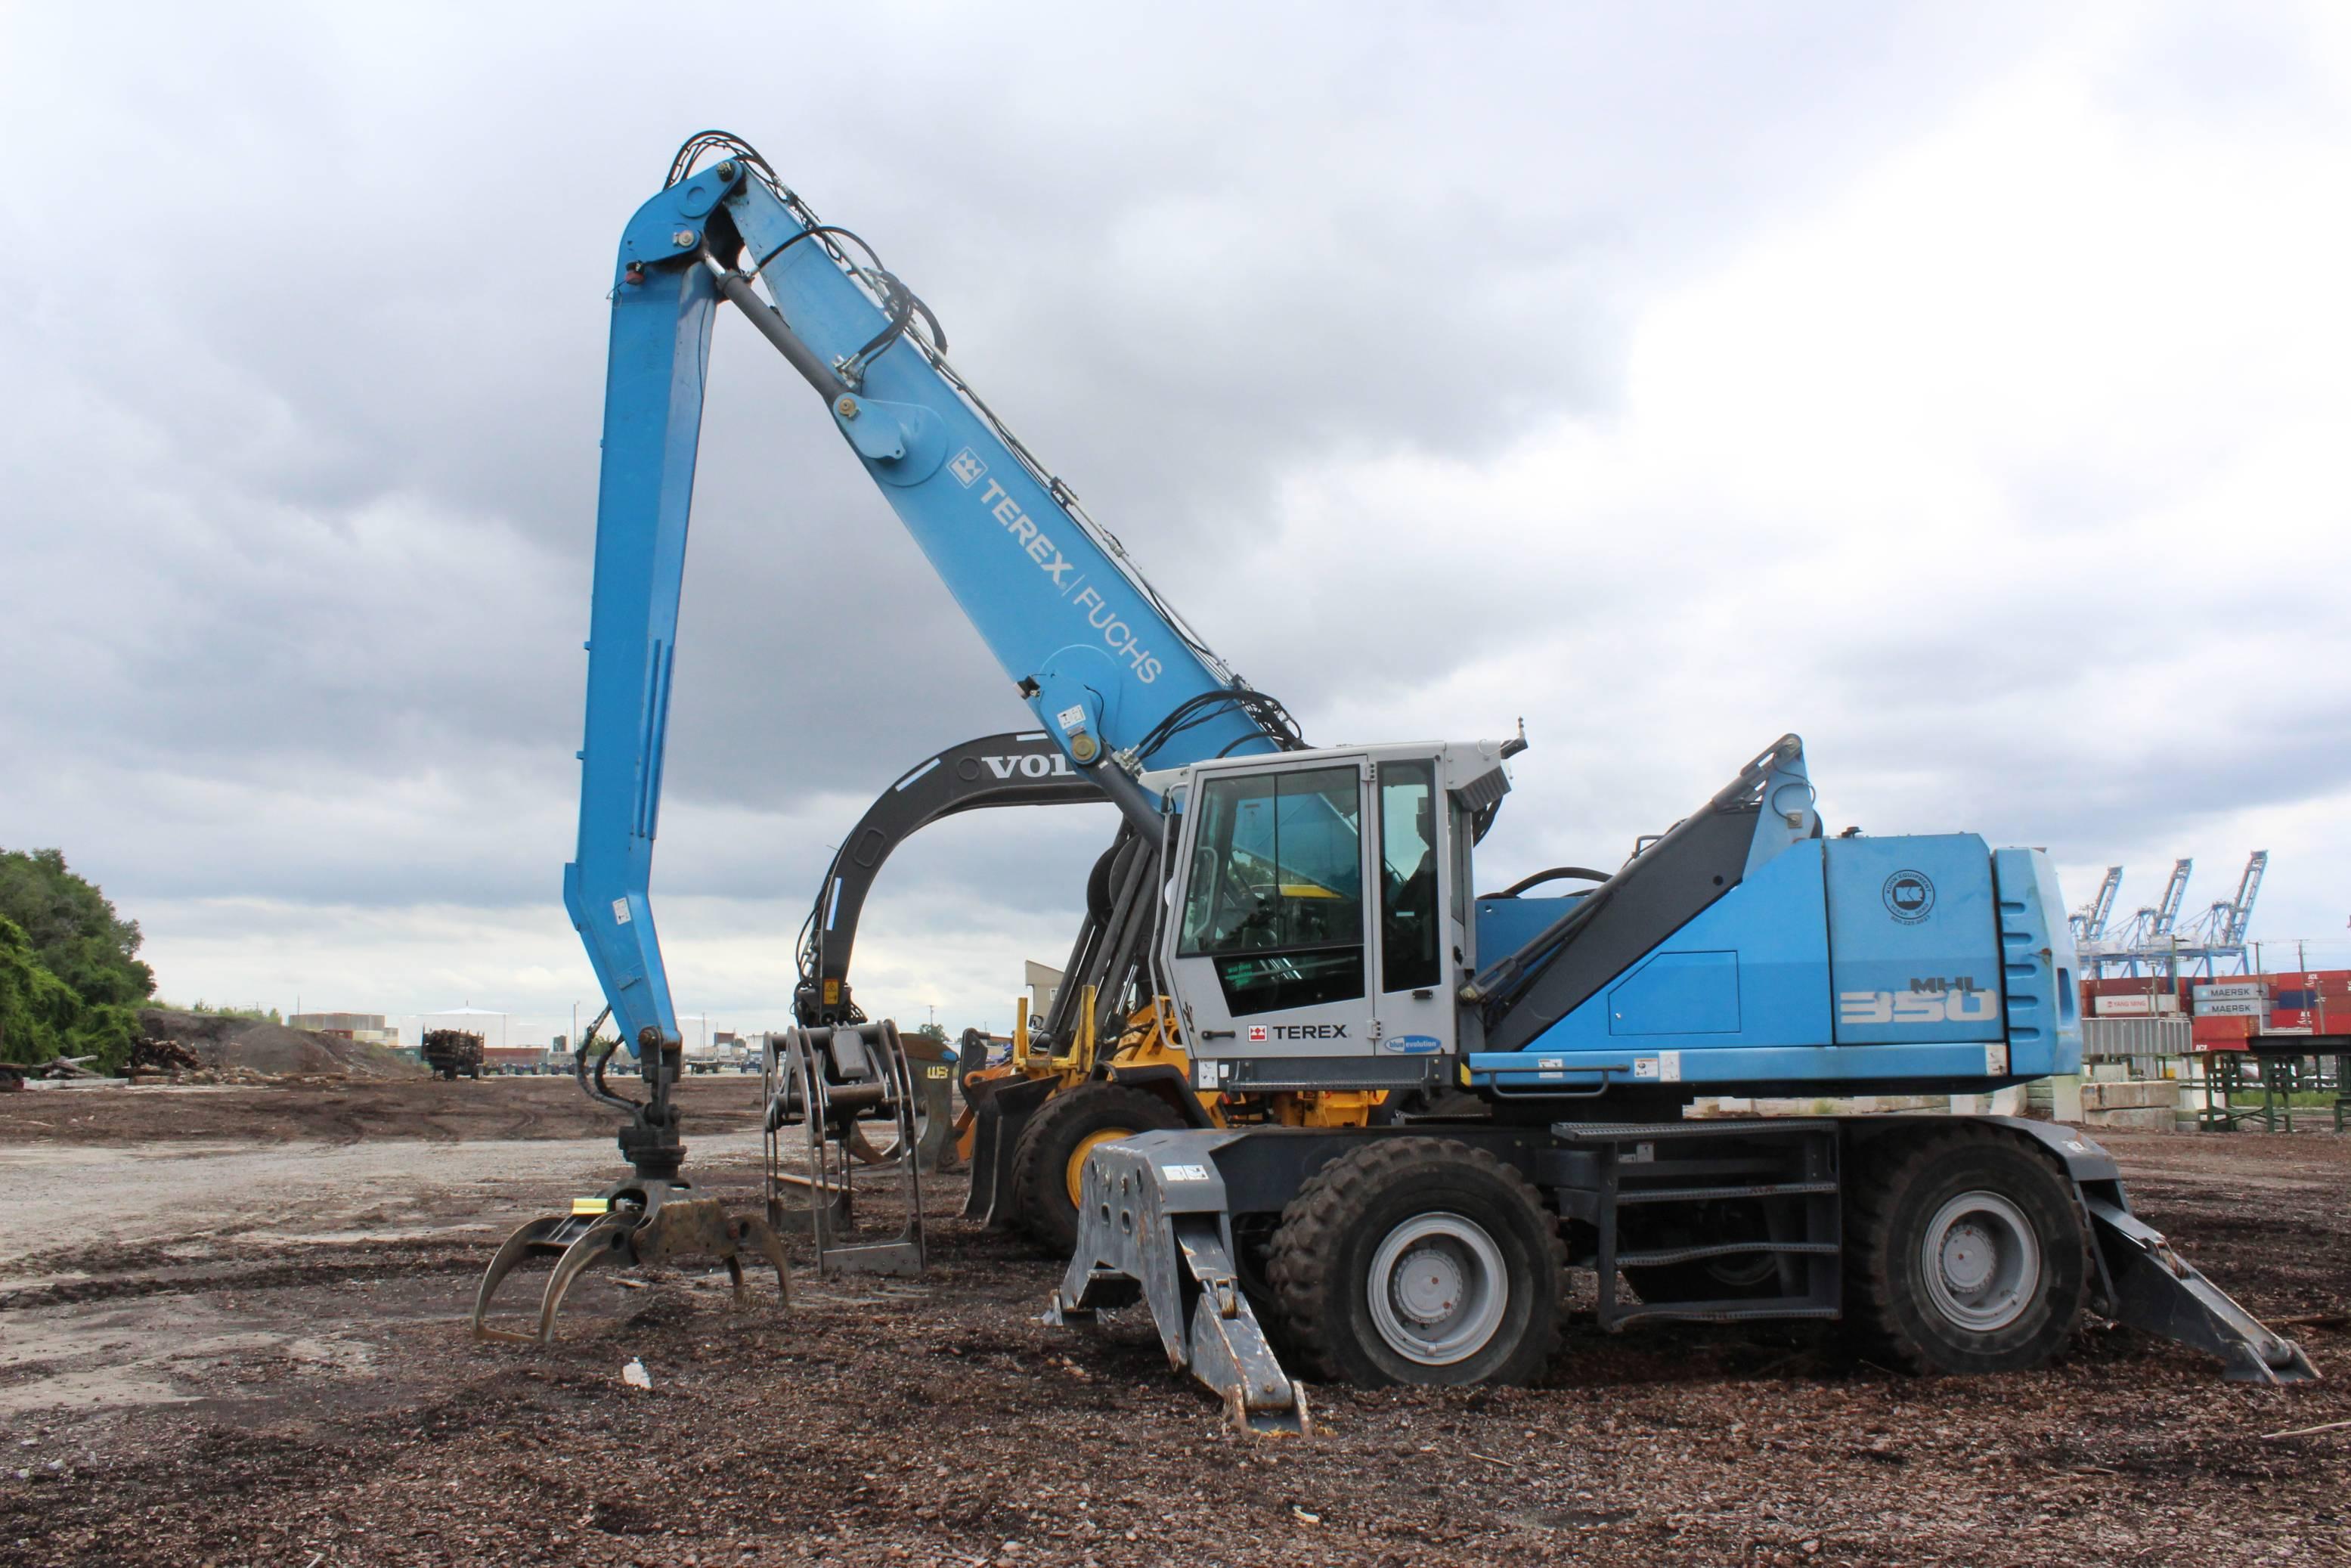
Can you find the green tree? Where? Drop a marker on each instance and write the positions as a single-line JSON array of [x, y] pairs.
[[73, 929], [38, 1010], [71, 982], [933, 1031]]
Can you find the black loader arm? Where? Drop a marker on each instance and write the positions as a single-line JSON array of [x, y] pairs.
[[1024, 768]]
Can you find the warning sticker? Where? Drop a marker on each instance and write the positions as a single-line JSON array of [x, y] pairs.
[[619, 912], [1995, 1060], [1185, 1172]]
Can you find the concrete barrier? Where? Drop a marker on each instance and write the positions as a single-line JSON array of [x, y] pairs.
[[2129, 1096], [2153, 1119]]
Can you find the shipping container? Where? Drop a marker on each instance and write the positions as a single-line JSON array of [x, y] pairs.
[[2129, 985], [2135, 1007], [2108, 1038], [2225, 1032]]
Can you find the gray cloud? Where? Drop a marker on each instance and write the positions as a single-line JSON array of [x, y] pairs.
[[306, 342]]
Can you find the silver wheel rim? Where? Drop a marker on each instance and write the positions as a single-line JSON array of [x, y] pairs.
[[1439, 1289], [1982, 1260]]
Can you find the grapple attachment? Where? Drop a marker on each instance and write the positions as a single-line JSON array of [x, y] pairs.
[[632, 1223], [848, 1088], [651, 1217]]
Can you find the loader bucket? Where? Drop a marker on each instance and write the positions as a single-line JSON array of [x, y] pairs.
[[1000, 1110]]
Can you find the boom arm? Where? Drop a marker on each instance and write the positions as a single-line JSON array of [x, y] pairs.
[[2175, 892], [2249, 888], [1108, 669]]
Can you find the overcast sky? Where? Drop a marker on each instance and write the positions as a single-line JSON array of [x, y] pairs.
[[1964, 387]]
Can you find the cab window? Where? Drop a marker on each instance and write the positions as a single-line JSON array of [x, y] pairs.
[[1407, 876], [1276, 889]]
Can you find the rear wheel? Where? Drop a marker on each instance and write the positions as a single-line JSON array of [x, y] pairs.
[[1049, 1164], [1419, 1260], [1966, 1254]]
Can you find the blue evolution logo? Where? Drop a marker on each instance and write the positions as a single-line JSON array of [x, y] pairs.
[[1412, 1044]]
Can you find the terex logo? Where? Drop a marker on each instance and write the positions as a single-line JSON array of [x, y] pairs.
[[1034, 765], [1306, 1031], [1071, 583]]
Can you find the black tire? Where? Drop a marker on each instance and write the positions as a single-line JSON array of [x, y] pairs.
[[2004, 1288], [1055, 1138], [1098, 888], [1356, 1215]]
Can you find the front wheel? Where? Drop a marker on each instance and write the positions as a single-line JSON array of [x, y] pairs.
[[1049, 1163], [1419, 1260], [1965, 1254]]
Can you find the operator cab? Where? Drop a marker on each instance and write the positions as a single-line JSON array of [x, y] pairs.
[[1321, 922]]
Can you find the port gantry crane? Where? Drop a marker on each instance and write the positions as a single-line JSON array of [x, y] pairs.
[[2240, 908], [1302, 922], [2175, 895], [2217, 937], [2089, 922]]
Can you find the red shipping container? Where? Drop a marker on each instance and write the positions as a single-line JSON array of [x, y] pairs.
[[2222, 1033], [2326, 982]]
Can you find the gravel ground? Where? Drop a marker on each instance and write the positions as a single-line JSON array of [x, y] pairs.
[[252, 1352], [342, 1111]]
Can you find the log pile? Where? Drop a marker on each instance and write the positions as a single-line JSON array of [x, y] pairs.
[[157, 1056]]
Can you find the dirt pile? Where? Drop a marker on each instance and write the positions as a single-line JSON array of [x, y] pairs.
[[258, 1046]]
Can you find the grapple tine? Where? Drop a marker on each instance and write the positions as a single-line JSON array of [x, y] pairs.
[[760, 1237], [608, 1235], [537, 1236]]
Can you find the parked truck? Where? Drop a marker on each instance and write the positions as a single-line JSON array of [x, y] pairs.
[[452, 1053]]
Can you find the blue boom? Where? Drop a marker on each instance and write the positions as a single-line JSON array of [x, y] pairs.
[[1103, 661]]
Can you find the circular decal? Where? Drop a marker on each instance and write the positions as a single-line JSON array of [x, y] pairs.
[[1909, 896]]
